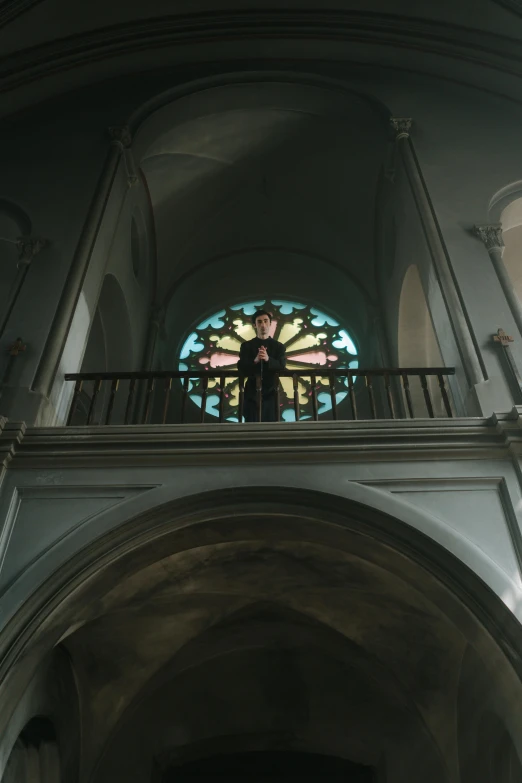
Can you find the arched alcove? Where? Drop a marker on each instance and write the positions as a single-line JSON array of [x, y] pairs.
[[236, 595], [511, 220], [35, 757], [417, 341], [109, 349]]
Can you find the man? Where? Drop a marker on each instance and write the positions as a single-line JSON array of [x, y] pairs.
[[261, 356]]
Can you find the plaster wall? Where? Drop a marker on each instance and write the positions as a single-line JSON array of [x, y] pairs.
[[467, 143], [471, 507]]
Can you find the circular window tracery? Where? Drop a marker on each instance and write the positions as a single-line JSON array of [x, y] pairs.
[[313, 340]]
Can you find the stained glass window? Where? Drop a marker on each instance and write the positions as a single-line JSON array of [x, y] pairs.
[[312, 339]]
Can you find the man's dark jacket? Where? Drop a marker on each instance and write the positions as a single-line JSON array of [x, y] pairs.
[[246, 365]]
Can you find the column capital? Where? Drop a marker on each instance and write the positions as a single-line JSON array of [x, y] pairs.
[[28, 248], [401, 126], [121, 135], [491, 235]]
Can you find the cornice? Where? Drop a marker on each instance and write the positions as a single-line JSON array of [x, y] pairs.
[[285, 443], [11, 9], [176, 32]]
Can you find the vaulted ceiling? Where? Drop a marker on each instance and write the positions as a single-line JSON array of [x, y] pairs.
[[57, 45]]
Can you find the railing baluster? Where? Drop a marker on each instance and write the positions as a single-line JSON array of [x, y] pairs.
[[168, 387], [333, 398], [184, 396], [276, 398], [407, 393], [351, 391], [241, 401], [130, 399], [445, 398], [114, 389], [222, 399], [392, 405], [313, 381], [259, 397], [389, 395], [97, 387], [72, 410], [204, 390], [427, 398], [148, 400], [371, 395], [295, 381]]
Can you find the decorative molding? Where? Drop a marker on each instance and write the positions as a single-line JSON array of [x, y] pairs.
[[175, 32], [186, 444], [401, 126], [28, 248], [491, 235], [121, 136], [11, 9]]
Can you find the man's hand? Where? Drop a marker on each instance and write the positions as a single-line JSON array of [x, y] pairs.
[[262, 355]]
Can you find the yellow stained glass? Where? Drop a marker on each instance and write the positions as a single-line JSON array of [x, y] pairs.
[[289, 331], [308, 341], [226, 341], [288, 386], [246, 331]]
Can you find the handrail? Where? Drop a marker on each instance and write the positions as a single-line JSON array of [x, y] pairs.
[[111, 376], [391, 397]]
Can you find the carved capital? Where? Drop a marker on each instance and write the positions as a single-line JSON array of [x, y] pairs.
[[28, 248], [121, 135], [491, 235], [401, 126]]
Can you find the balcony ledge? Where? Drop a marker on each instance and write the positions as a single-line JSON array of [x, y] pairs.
[[497, 437]]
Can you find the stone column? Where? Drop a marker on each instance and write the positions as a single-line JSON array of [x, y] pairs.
[[466, 342], [491, 236], [120, 142], [28, 248]]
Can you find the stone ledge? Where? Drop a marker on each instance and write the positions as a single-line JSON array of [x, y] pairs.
[[297, 442]]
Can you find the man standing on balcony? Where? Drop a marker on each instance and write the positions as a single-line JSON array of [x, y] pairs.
[[262, 356]]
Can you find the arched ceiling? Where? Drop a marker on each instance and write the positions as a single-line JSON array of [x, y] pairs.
[[273, 199], [49, 46]]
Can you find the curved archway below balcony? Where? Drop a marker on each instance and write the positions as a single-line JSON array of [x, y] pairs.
[[186, 584]]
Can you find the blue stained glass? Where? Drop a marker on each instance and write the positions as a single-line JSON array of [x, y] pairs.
[[287, 308], [191, 345], [294, 321], [345, 342], [248, 308], [321, 319], [210, 405], [216, 322], [326, 401]]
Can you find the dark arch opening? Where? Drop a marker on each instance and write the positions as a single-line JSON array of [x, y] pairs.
[[257, 767]]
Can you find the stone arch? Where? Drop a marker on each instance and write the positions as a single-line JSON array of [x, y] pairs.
[[487, 748], [42, 739], [276, 525], [417, 340]]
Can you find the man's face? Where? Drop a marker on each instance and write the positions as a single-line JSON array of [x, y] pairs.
[[262, 326]]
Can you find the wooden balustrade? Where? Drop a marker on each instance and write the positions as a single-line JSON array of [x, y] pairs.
[[385, 394]]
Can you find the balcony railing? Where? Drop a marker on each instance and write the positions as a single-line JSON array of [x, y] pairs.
[[170, 397]]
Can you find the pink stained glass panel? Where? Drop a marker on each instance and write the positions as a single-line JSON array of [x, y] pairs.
[[222, 359], [314, 357]]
